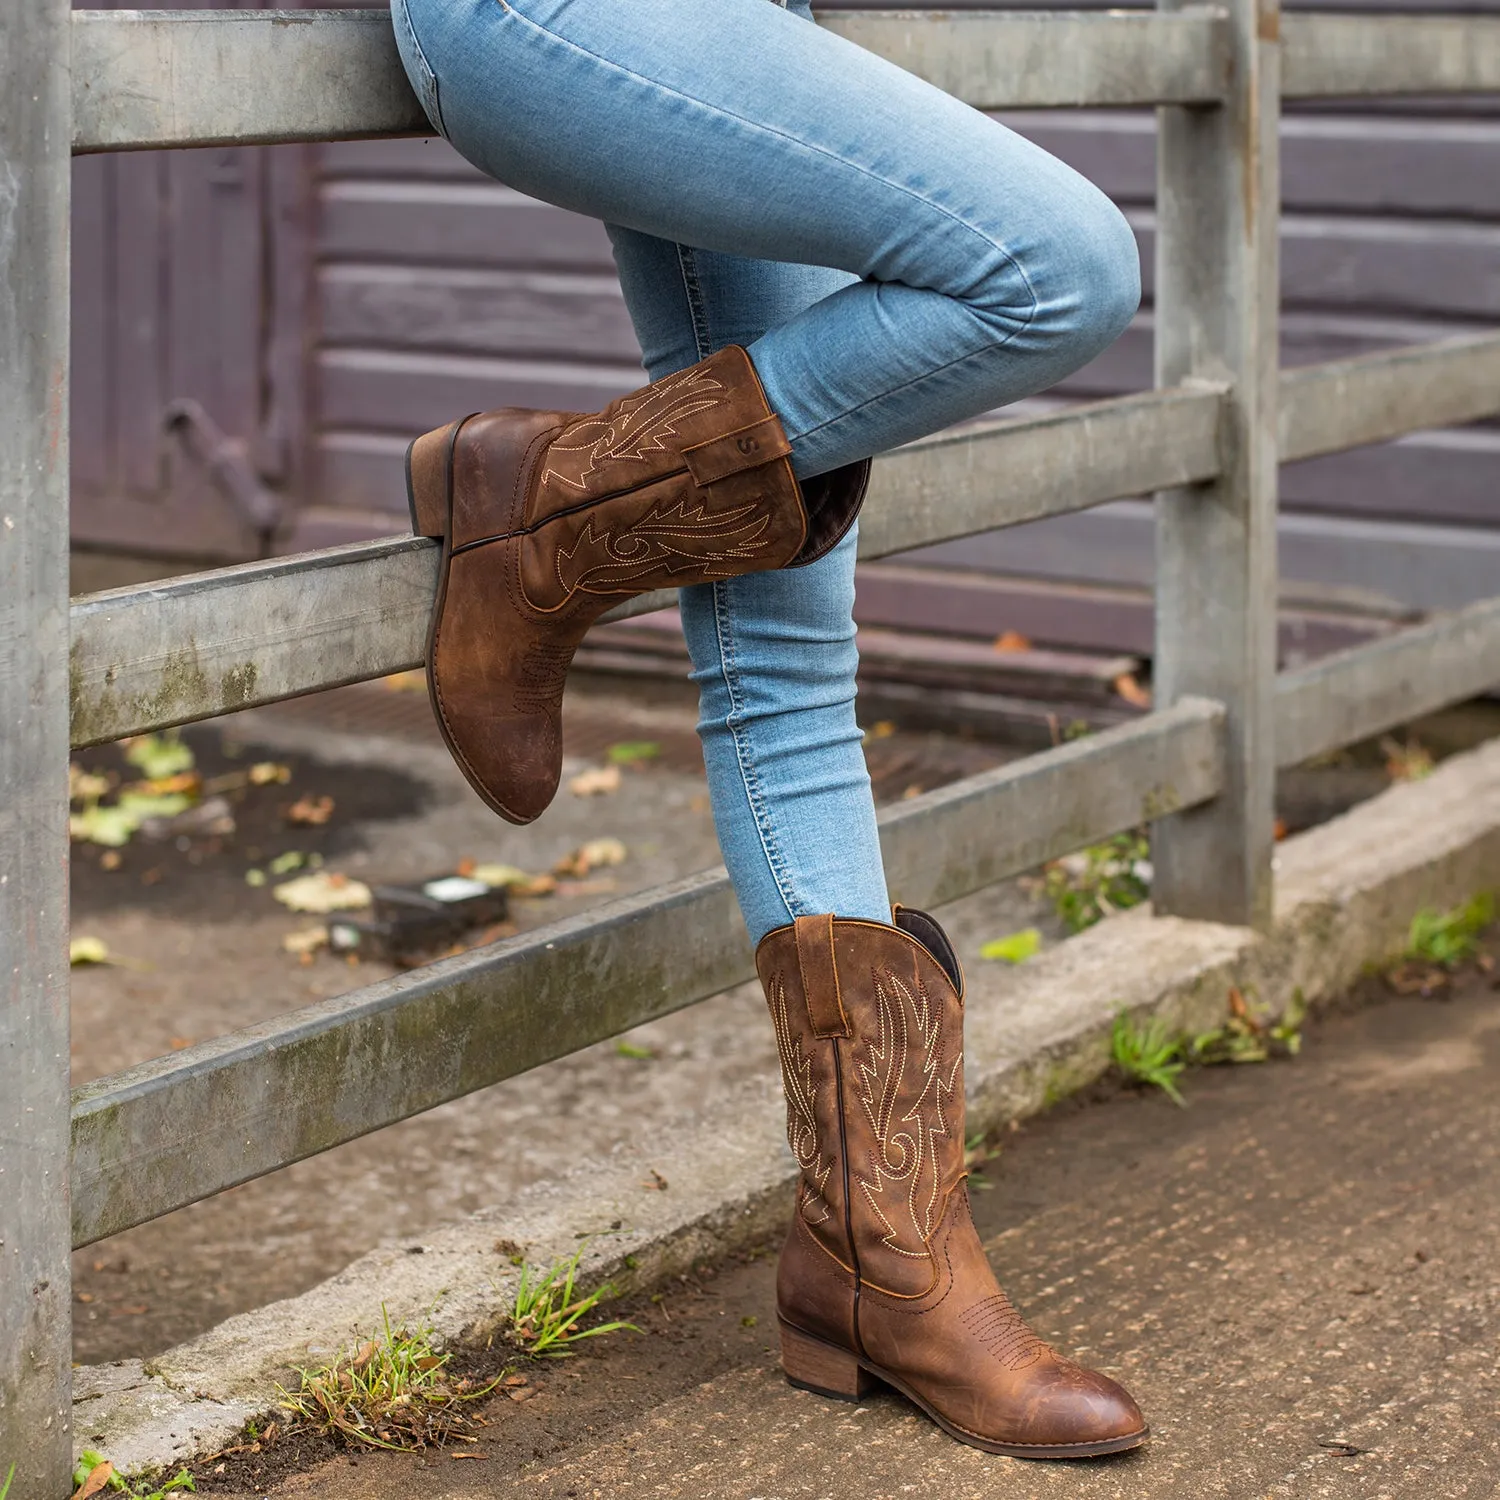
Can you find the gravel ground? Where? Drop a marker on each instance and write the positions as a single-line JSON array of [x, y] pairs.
[[1297, 1275]]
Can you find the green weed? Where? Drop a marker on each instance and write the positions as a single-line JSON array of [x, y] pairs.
[[1249, 1035], [5, 1488], [1014, 949], [1087, 886], [1450, 938], [394, 1392], [91, 1481], [549, 1307], [1149, 1054]]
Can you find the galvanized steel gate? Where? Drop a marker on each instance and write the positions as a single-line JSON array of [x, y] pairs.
[[137, 1145]]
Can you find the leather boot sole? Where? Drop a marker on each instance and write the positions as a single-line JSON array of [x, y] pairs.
[[813, 1364], [429, 496]]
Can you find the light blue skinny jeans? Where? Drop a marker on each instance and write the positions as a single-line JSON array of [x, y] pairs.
[[894, 261]]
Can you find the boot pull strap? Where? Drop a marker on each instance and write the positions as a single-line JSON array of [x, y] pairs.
[[820, 976], [749, 447]]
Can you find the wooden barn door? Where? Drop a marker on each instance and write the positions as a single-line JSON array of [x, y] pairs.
[[189, 345]]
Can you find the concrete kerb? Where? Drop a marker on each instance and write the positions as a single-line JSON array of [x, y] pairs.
[[1346, 893]]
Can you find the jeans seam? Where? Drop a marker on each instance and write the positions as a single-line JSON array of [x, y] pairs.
[[744, 754], [431, 104], [692, 289], [864, 171]]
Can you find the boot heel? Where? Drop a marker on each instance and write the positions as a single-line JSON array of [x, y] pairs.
[[427, 480], [812, 1365]]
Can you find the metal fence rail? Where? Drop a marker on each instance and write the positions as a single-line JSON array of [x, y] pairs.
[[1200, 769]]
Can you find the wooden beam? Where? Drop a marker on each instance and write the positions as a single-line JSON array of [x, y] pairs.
[[144, 658], [178, 1128]]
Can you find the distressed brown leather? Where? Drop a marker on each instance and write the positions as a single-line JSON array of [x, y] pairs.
[[883, 1261], [551, 518]]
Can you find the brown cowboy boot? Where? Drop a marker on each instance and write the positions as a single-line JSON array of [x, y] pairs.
[[549, 518], [883, 1274]]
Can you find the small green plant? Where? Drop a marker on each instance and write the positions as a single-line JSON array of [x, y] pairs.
[[632, 752], [1087, 886], [95, 1473], [1149, 1054], [549, 1307], [5, 1488], [1249, 1035], [1450, 938], [394, 1392]]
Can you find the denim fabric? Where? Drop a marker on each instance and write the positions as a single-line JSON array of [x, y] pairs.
[[895, 262]]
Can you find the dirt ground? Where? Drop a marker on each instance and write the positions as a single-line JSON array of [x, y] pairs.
[[1297, 1275], [198, 952]]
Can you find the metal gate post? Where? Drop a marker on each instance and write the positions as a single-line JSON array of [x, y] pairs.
[[36, 120], [1216, 319]]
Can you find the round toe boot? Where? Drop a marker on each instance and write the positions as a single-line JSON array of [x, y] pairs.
[[547, 519], [883, 1276]]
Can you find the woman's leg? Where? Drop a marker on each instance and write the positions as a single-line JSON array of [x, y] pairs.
[[773, 653], [987, 269]]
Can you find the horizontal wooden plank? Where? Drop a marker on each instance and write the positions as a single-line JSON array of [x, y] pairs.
[[1327, 408], [179, 1128], [196, 78], [1372, 688], [210, 643], [1020, 59], [222, 77], [1372, 564], [1327, 56], [1365, 164]]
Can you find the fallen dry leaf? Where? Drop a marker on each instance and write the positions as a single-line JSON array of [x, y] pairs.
[[414, 681], [305, 940], [1012, 640], [177, 1043], [323, 892], [87, 950], [595, 782], [311, 812], [99, 1476], [269, 772], [1132, 691], [593, 855]]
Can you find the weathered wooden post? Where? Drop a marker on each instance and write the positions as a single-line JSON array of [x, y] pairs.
[[1216, 319], [35, 1296]]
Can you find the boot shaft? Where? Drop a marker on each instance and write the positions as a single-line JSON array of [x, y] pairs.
[[869, 1024]]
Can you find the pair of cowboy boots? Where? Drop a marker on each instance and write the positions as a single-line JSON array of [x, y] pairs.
[[546, 520]]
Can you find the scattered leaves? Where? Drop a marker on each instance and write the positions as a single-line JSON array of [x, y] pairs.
[[284, 864], [1014, 949], [86, 786], [1450, 938], [323, 892], [882, 729], [310, 812], [633, 1050], [159, 755], [87, 950], [1251, 1034], [95, 1473], [1012, 640], [269, 773], [305, 940], [598, 781], [594, 855], [632, 752]]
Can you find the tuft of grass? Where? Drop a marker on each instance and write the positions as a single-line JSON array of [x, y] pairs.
[[1149, 1054], [394, 1392], [549, 1308], [1087, 886], [1450, 938], [1249, 1035], [91, 1481]]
